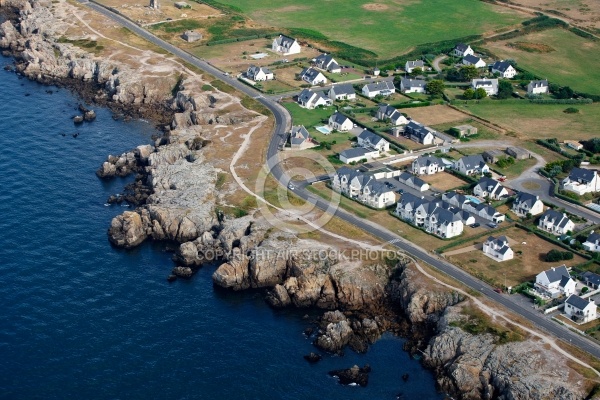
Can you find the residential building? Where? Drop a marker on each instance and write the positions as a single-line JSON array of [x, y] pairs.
[[357, 154], [259, 73], [472, 165], [428, 165], [492, 156], [343, 91], [411, 65], [433, 217], [538, 87], [488, 187], [592, 242], [309, 99], [419, 133], [579, 309], [327, 62], [555, 222], [464, 130], [340, 122], [364, 188], [498, 248], [285, 45], [526, 203], [191, 36], [412, 85], [504, 69], [591, 280], [472, 206], [555, 282], [413, 181], [381, 88], [582, 181], [489, 85], [518, 153], [385, 112], [574, 144], [299, 137], [470, 59], [313, 76], [462, 50], [370, 139]]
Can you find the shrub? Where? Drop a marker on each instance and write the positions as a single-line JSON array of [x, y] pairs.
[[571, 110], [557, 255]]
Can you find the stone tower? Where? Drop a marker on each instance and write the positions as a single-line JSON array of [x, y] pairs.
[[154, 4]]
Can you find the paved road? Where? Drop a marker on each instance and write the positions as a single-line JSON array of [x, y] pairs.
[[281, 123]]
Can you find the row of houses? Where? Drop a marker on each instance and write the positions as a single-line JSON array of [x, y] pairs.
[[364, 187], [467, 165]]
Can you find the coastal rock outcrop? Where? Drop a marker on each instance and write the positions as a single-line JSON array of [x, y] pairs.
[[353, 376], [127, 230]]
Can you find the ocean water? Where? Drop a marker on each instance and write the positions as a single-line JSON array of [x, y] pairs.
[[81, 319]]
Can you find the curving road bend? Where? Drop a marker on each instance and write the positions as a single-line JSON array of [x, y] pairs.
[[282, 121]]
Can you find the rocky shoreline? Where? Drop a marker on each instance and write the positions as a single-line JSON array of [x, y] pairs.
[[175, 196]]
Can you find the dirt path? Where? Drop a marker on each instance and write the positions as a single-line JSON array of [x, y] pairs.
[[436, 62]]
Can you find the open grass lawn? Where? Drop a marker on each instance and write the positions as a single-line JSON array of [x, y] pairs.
[[515, 170], [573, 62], [539, 121], [306, 117], [523, 267], [387, 27], [483, 132], [443, 181]]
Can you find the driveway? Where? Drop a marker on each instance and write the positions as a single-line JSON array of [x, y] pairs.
[[436, 62]]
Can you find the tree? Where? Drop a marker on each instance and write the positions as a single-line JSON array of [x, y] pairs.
[[469, 93], [469, 72], [416, 72], [435, 87], [564, 92], [525, 76], [592, 145], [480, 93], [505, 89], [453, 75]]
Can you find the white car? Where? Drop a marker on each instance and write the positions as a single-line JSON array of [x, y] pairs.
[[291, 187]]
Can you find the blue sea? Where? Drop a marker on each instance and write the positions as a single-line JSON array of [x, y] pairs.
[[80, 319]]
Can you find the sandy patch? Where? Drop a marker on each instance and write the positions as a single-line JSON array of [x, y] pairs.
[[434, 115], [375, 7]]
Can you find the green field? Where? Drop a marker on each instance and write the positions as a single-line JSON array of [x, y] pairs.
[[574, 61], [386, 27]]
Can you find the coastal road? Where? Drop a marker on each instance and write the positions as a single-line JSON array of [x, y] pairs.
[[282, 121]]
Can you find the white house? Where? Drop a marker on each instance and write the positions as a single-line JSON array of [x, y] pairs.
[[259, 73], [504, 69], [369, 139], [526, 203], [340, 122], [411, 65], [574, 144], [285, 45], [419, 133], [555, 282], [309, 99], [364, 188], [427, 165], [498, 248], [313, 76], [357, 154], [555, 222], [327, 62], [579, 309], [462, 50], [472, 165], [582, 181], [343, 91], [488, 187], [385, 112], [299, 137], [592, 243], [470, 59], [412, 85], [489, 85], [381, 88], [413, 181], [538, 87], [431, 216]]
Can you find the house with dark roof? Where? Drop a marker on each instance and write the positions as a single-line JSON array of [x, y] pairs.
[[538, 87], [498, 248], [470, 59], [412, 85], [592, 242], [358, 154], [381, 88], [580, 310], [488, 187], [471, 165], [427, 165], [344, 91], [299, 137], [309, 99], [473, 207], [419, 133], [555, 282], [434, 217], [591, 279], [413, 181], [489, 85], [504, 69], [363, 187], [462, 50], [313, 76], [527, 203], [327, 62], [372, 140], [285, 45], [411, 65], [259, 73], [555, 222], [340, 122], [582, 181], [385, 112]]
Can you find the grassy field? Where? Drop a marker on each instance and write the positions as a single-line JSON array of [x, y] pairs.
[[306, 117], [538, 121], [443, 181], [574, 62], [386, 27]]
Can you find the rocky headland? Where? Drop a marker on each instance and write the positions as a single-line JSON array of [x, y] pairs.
[[175, 194]]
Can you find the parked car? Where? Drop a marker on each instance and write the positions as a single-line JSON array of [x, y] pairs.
[[291, 186], [475, 225], [492, 225], [498, 290]]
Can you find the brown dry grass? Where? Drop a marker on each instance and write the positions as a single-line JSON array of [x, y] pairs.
[[375, 7], [532, 47], [582, 12], [140, 12], [443, 181], [434, 115]]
